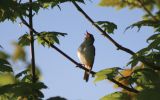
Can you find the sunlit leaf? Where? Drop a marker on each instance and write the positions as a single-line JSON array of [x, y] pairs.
[[124, 77], [6, 78], [116, 96], [106, 73]]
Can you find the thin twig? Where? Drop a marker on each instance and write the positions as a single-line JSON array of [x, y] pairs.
[[147, 10], [73, 61]]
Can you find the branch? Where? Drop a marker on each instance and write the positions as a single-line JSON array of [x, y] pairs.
[[149, 13], [102, 31], [74, 62], [34, 78], [112, 40]]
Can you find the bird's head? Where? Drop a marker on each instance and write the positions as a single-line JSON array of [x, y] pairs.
[[89, 38]]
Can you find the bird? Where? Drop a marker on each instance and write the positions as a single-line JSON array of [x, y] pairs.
[[86, 54]]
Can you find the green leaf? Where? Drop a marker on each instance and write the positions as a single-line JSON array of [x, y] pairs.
[[154, 37], [154, 44], [56, 98], [146, 77], [53, 3], [24, 40], [107, 26], [48, 38], [106, 73], [5, 66], [100, 78], [7, 78], [149, 94], [11, 9], [143, 23], [116, 96], [23, 89], [4, 55], [21, 73]]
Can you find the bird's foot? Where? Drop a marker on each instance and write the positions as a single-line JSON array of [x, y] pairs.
[[80, 65]]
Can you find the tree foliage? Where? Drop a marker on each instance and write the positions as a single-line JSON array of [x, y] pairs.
[[140, 81], [145, 64]]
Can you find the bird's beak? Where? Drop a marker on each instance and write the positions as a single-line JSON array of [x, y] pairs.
[[87, 34]]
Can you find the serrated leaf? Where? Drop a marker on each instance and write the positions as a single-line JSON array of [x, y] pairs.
[[106, 73], [107, 26], [154, 37], [22, 73], [24, 40], [50, 37], [116, 96], [154, 44], [143, 23]]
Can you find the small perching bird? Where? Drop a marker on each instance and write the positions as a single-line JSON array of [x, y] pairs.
[[86, 54]]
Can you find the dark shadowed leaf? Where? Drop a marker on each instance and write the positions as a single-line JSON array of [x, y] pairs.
[[22, 73], [143, 23], [48, 38], [146, 77], [56, 98], [23, 89], [5, 66], [107, 26], [24, 40], [4, 55], [149, 94]]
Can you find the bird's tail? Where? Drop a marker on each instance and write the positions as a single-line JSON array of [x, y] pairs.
[[86, 76]]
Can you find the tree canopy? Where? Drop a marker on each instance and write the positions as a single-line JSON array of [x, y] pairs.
[[139, 81]]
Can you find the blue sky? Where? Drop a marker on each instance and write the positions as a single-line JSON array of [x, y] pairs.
[[58, 73]]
